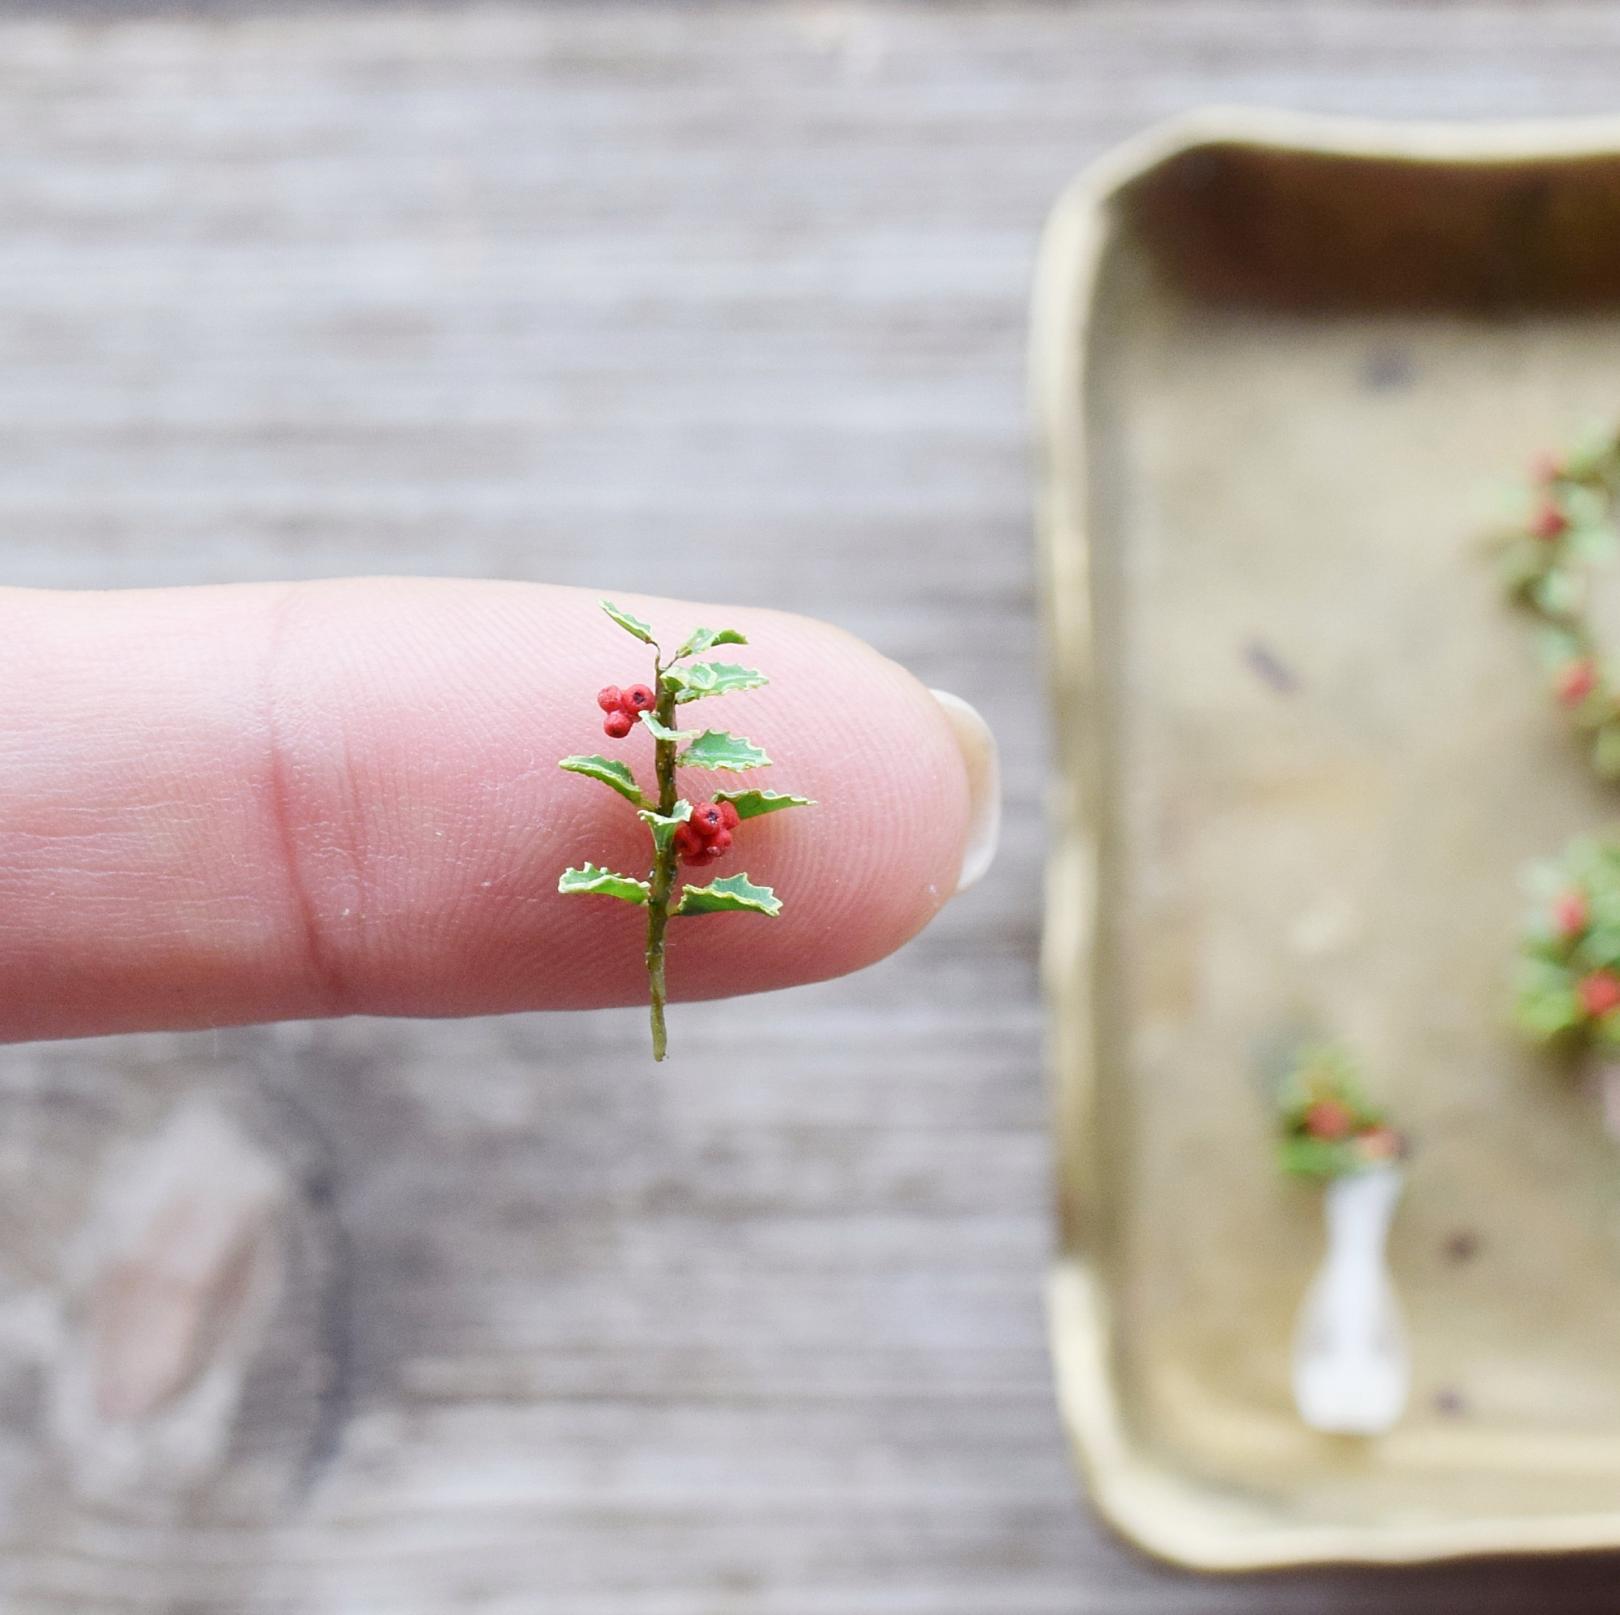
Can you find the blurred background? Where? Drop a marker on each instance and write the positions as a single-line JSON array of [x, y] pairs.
[[721, 298]]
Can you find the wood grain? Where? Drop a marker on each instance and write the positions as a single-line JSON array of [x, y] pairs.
[[721, 292]]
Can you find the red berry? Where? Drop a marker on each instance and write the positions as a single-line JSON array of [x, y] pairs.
[[1599, 993], [707, 820], [718, 843], [638, 698], [688, 843], [729, 815], [608, 698], [1549, 522], [1329, 1119], [1577, 681], [1571, 914], [617, 725]]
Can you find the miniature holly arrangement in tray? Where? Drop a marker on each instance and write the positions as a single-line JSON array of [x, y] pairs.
[[1327, 1126], [1569, 958], [1349, 1369], [1565, 530], [691, 834]]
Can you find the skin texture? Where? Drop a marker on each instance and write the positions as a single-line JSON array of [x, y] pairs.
[[224, 805]]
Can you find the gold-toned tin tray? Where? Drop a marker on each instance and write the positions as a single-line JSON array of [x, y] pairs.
[[1304, 751]]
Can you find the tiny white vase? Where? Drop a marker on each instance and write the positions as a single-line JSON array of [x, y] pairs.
[[1351, 1369]]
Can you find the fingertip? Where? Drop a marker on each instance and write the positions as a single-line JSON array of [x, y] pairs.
[[354, 806], [981, 757]]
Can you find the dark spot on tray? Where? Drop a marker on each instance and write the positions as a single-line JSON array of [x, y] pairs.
[[1462, 1246], [1196, 169], [1270, 668], [1450, 1403], [1387, 370]]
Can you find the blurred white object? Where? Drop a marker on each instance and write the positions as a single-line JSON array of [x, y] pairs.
[[1352, 1372]]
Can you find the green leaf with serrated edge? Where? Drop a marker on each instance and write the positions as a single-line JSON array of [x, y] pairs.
[[699, 679], [593, 878], [613, 774], [651, 721], [732, 894], [702, 639], [631, 625], [663, 826], [750, 804], [714, 748]]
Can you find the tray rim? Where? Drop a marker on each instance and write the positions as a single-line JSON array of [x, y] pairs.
[[1152, 1505]]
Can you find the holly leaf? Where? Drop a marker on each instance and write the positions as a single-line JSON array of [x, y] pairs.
[[613, 774], [1558, 647], [731, 894], [1304, 1157], [1524, 561], [1600, 947], [631, 625], [1547, 1003], [699, 679], [593, 878], [663, 733], [1545, 1012], [1595, 543], [663, 826], [750, 804], [1606, 751], [702, 639], [714, 748], [1559, 592]]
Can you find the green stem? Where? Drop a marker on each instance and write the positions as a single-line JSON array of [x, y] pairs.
[[663, 871]]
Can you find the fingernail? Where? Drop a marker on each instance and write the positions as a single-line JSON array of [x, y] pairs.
[[978, 748]]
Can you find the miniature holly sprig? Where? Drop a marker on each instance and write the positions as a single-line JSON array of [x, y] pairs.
[[682, 831], [1569, 956], [1565, 526], [1326, 1124]]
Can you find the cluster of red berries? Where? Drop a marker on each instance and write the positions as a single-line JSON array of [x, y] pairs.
[[1548, 522], [707, 834], [1577, 680], [623, 707], [1572, 913], [1599, 993], [1333, 1121]]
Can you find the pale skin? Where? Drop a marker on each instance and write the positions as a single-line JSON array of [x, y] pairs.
[[274, 801]]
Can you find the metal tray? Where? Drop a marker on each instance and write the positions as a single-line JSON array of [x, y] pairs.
[[1304, 750]]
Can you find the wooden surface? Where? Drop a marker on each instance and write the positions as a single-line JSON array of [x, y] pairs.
[[404, 1319]]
